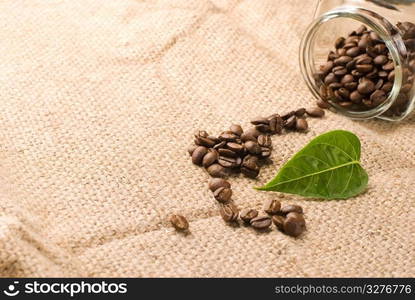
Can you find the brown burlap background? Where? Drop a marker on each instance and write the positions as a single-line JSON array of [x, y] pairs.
[[99, 100]]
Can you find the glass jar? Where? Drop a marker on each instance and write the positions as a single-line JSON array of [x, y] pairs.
[[358, 57]]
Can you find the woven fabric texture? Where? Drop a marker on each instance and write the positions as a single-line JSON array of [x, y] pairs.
[[99, 101]]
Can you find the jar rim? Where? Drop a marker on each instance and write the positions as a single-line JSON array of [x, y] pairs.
[[379, 25]]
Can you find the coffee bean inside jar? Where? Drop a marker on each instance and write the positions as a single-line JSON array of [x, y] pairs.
[[359, 73]]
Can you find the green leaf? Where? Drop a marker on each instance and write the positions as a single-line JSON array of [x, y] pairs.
[[328, 167]]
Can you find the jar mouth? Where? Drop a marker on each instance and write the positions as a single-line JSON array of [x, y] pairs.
[[386, 31]]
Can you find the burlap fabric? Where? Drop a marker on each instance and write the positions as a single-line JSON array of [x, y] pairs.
[[99, 100]]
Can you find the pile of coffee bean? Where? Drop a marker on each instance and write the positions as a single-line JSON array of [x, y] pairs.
[[360, 73], [236, 150], [288, 219]]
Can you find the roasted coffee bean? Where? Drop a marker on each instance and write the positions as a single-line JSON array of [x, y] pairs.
[[250, 135], [366, 86], [250, 166], [294, 224], [352, 52], [216, 170], [291, 208], [364, 68], [378, 97], [229, 212], [223, 194], [227, 152], [260, 120], [380, 60], [216, 183], [388, 66], [339, 42], [265, 152], [391, 76], [342, 60], [198, 154], [248, 214], [345, 104], [235, 147], [191, 148], [301, 124], [335, 85], [330, 78], [279, 222], [261, 222], [322, 104], [315, 112], [300, 112], [276, 124], [387, 87], [210, 157], [179, 222], [272, 206], [228, 136], [263, 128], [264, 141], [347, 79], [236, 129], [344, 93], [338, 71], [229, 162], [204, 141], [356, 97], [290, 123], [252, 147], [379, 84], [351, 86]]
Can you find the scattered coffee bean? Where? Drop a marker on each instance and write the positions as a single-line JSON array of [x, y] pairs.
[[272, 207], [236, 129], [291, 208], [278, 221], [315, 112], [191, 149], [198, 154], [217, 170], [179, 222], [223, 194], [248, 214], [216, 183], [294, 224], [229, 212], [301, 124], [261, 222], [210, 157]]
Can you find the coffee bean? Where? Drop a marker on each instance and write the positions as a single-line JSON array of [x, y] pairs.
[[235, 147], [191, 148], [294, 224], [216, 183], [379, 84], [252, 147], [236, 129], [378, 97], [264, 141], [263, 128], [330, 78], [261, 222], [276, 124], [227, 152], [216, 170], [229, 212], [210, 157], [391, 76], [201, 133], [204, 141], [228, 136], [301, 124], [250, 166], [347, 79], [387, 87], [260, 120], [290, 123], [248, 214], [229, 162], [288, 115], [315, 112], [198, 154], [356, 97], [278, 221], [335, 85], [272, 206], [366, 86], [338, 71], [339, 42], [389, 66], [291, 208], [223, 194], [380, 60], [250, 135], [353, 52], [300, 112], [344, 93], [364, 68], [351, 86], [265, 152], [179, 222], [342, 60]]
